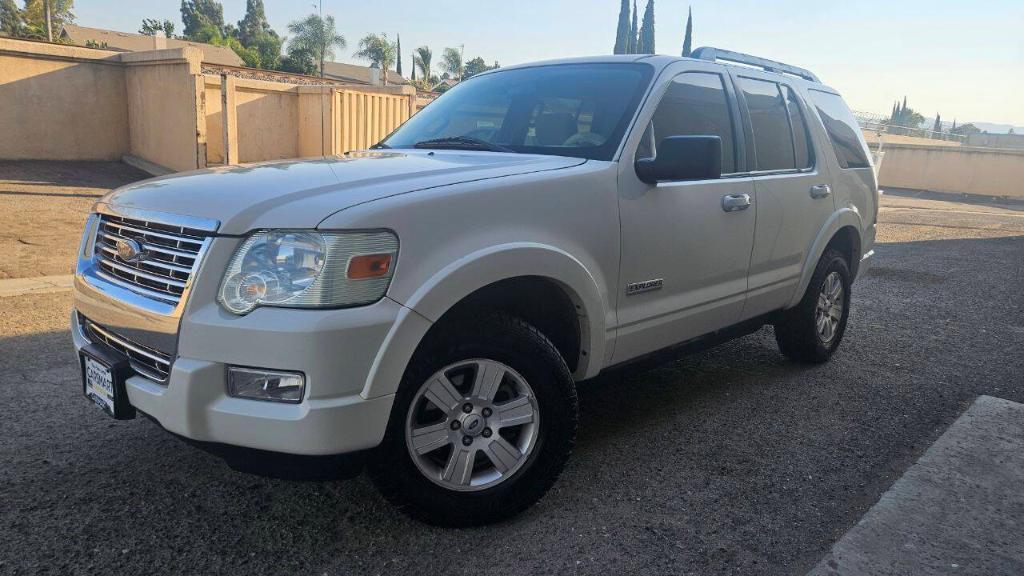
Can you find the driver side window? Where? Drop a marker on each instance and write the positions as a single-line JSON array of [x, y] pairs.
[[694, 105]]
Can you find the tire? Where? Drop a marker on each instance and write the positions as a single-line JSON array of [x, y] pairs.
[[462, 351], [798, 332]]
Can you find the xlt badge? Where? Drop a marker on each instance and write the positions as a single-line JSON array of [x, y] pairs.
[[645, 286]]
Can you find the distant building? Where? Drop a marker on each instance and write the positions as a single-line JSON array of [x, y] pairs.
[[356, 74], [129, 42]]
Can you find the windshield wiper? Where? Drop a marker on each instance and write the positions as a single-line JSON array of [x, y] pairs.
[[462, 143]]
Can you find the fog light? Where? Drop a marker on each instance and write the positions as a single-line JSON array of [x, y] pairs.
[[266, 385]]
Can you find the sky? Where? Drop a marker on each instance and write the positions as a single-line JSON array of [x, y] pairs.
[[963, 60]]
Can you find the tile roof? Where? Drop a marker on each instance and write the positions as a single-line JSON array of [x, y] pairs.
[[129, 42]]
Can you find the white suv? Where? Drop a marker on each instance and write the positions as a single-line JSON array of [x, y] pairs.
[[436, 300]]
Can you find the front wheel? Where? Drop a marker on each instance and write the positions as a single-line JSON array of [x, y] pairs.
[[812, 331], [483, 422]]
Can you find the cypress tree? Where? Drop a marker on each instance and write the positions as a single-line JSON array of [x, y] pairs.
[[938, 124], [413, 68], [634, 32], [647, 30], [688, 39], [398, 54], [622, 33]]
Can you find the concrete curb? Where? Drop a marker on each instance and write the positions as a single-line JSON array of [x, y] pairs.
[[38, 285], [957, 510]]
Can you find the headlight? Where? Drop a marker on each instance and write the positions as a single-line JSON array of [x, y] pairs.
[[306, 269]]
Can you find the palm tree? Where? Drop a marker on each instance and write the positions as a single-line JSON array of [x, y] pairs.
[[452, 62], [317, 35], [422, 60], [379, 50]]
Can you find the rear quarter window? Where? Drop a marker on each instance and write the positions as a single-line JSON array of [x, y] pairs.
[[842, 129]]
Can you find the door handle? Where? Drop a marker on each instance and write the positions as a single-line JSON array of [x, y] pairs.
[[735, 202], [821, 191]]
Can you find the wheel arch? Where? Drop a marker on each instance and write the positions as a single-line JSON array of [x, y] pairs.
[[841, 231], [511, 278]]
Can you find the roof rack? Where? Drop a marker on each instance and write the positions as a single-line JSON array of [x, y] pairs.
[[715, 54]]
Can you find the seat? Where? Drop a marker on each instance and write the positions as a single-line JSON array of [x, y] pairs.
[[554, 128]]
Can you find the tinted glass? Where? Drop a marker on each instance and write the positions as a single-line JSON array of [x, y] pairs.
[[694, 105], [801, 136], [842, 129], [769, 119], [578, 110]]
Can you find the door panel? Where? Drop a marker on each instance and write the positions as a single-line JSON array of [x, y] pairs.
[[680, 247], [793, 196]]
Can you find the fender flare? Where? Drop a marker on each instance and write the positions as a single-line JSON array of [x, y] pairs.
[[451, 284], [847, 216]]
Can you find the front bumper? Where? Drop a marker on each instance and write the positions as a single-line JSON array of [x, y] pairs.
[[335, 349]]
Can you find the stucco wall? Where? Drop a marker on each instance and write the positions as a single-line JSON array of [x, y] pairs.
[[983, 171], [165, 99], [61, 103], [268, 120], [214, 122]]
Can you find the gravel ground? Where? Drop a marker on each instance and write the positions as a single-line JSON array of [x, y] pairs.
[[43, 206], [730, 461]]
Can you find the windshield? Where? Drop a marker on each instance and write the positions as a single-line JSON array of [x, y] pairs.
[[578, 110]]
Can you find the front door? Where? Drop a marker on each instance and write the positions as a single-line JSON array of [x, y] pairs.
[[685, 245]]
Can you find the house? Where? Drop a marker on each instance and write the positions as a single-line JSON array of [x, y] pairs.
[[356, 74], [129, 42]]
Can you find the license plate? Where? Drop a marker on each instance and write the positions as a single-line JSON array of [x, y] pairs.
[[104, 372], [99, 384]]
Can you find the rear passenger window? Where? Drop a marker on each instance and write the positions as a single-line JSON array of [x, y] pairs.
[[801, 136], [842, 129], [769, 119], [694, 105]]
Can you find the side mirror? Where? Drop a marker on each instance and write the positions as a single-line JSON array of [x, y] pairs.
[[683, 158]]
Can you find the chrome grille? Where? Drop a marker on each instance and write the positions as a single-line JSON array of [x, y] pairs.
[[172, 253], [147, 362]]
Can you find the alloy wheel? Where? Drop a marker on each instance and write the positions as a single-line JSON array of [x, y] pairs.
[[472, 425], [829, 311]]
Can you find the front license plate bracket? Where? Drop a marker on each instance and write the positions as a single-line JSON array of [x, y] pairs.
[[112, 395]]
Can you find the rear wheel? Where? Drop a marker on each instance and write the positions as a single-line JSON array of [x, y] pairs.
[[812, 330], [482, 424]]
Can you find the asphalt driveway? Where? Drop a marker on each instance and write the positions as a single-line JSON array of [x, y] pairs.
[[731, 461]]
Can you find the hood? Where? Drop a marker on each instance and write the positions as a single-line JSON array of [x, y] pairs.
[[302, 193]]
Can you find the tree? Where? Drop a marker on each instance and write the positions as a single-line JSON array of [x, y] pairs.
[[35, 20], [413, 76], [1011, 132], [622, 32], [10, 19], [254, 24], [474, 67], [422, 59], [379, 50], [398, 54], [317, 35], [688, 39], [965, 130], [634, 32], [451, 62], [268, 47], [937, 128], [647, 30], [298, 61], [150, 27], [200, 16]]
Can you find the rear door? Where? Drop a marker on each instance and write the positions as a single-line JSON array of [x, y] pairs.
[[794, 197]]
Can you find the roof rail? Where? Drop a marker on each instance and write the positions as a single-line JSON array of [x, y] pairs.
[[715, 54]]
